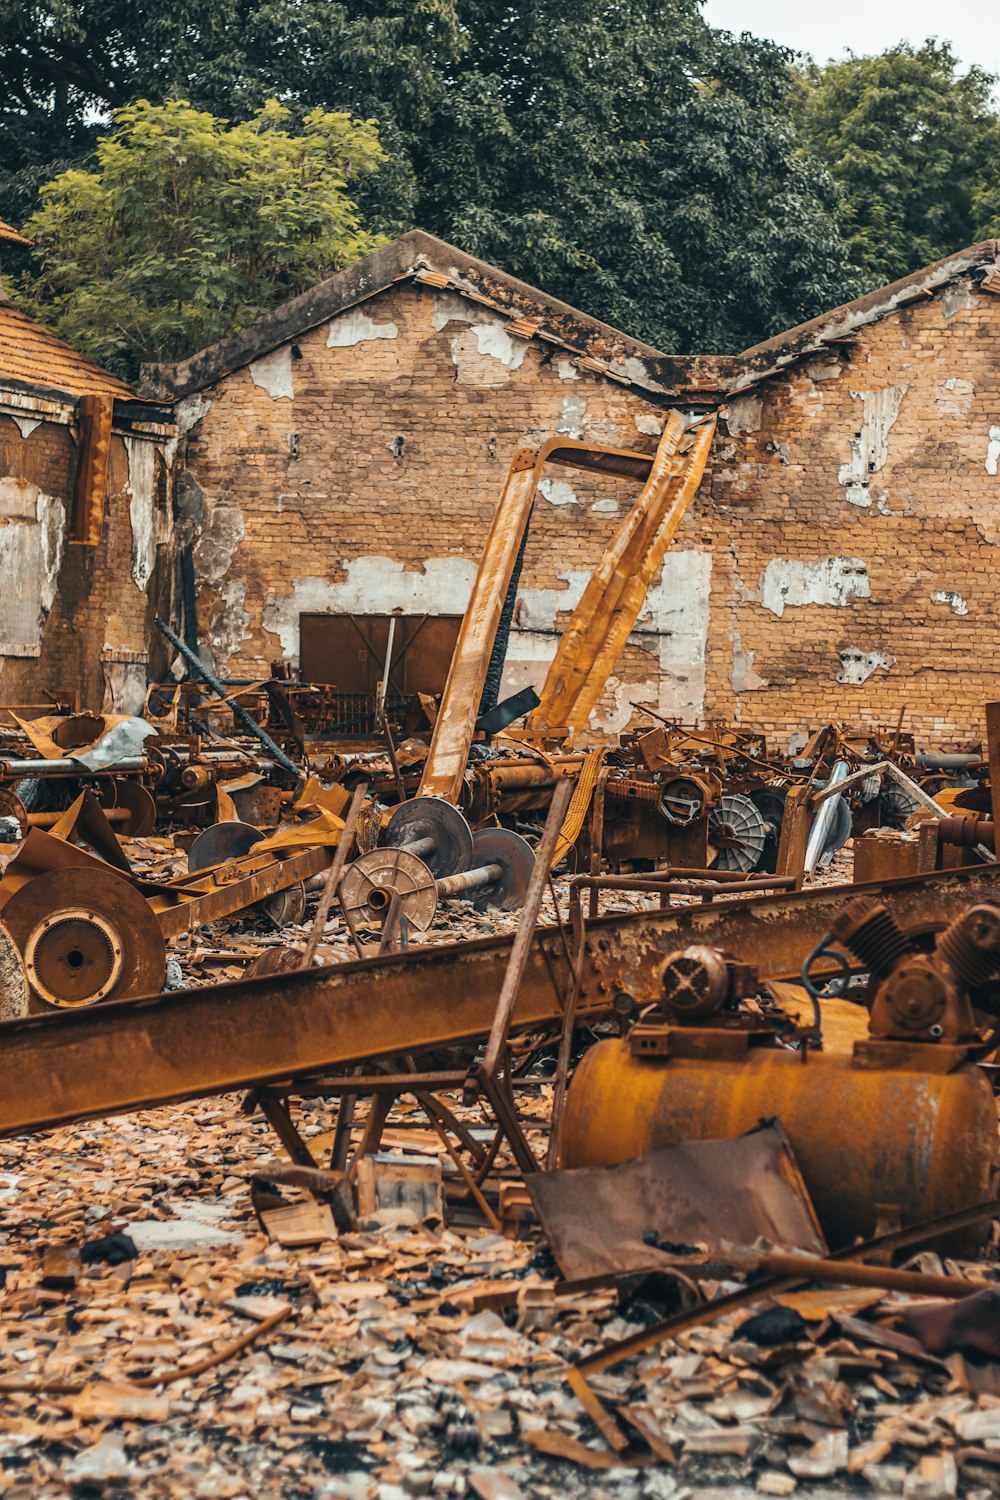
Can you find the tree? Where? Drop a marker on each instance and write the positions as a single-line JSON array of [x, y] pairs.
[[624, 157], [190, 228], [914, 146]]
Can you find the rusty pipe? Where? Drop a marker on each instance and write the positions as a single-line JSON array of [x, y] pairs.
[[68, 767], [966, 832], [468, 880]]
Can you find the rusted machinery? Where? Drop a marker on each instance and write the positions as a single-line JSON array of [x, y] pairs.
[[428, 854], [903, 1127]]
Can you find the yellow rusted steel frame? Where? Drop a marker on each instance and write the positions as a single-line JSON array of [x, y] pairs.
[[232, 888], [680, 493], [454, 726], [575, 653], [132, 1054]]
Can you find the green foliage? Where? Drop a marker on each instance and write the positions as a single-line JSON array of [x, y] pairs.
[[915, 149], [625, 157], [190, 228]]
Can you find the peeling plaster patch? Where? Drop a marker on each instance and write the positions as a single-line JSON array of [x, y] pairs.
[[870, 449], [572, 414], [124, 686], [191, 410], [957, 298], [824, 369], [142, 509], [484, 355], [32, 535], [450, 308], [374, 585], [651, 426], [993, 450], [558, 492], [537, 608], [216, 546], [743, 414], [606, 507], [744, 678], [675, 614], [636, 370], [27, 425], [789, 582], [856, 666], [952, 599], [567, 370], [955, 397], [529, 655], [356, 327], [231, 626], [273, 374]]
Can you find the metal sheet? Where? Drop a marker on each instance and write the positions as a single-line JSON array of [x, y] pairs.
[[599, 1220]]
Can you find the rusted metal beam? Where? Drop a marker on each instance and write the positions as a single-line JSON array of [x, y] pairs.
[[132, 1054], [225, 890]]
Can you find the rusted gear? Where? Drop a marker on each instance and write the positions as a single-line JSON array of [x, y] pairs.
[[85, 935]]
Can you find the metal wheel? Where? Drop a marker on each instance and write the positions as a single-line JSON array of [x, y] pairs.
[[285, 907], [222, 841], [736, 829], [369, 884], [141, 807], [516, 858], [85, 935], [770, 803], [432, 818], [897, 803]]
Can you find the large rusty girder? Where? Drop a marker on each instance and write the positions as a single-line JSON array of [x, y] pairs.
[[137, 1053]]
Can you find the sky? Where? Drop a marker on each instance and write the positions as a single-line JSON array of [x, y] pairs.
[[864, 26]]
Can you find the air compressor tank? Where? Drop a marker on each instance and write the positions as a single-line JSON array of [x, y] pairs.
[[873, 1144]]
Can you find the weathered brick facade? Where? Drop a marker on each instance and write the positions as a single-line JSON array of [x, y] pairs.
[[77, 619], [838, 562]]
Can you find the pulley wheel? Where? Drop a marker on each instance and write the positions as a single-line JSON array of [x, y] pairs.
[[896, 804], [12, 807], [736, 829], [516, 858], [368, 885], [432, 818], [85, 935], [221, 842], [141, 807], [285, 907]]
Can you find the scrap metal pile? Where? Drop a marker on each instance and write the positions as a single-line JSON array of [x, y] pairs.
[[619, 1129]]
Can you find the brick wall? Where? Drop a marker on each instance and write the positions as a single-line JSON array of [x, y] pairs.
[[75, 618], [838, 562], [855, 506]]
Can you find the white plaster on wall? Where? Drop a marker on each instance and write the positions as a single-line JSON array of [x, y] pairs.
[[231, 626], [124, 687], [606, 507], [957, 298], [374, 585], [790, 582], [216, 546], [953, 600], [558, 492], [856, 666], [954, 397], [273, 374], [824, 369], [567, 370], [27, 424], [142, 509], [191, 410], [537, 608], [450, 308], [743, 677], [651, 426], [356, 327], [635, 369], [571, 417], [870, 449], [993, 450], [32, 536], [743, 414]]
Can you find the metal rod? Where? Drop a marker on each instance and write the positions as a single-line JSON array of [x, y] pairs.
[[823, 823], [468, 880], [239, 712], [333, 876]]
